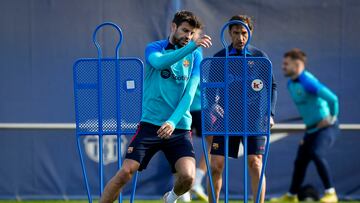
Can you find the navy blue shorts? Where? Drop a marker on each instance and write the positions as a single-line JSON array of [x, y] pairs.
[[256, 145], [146, 143]]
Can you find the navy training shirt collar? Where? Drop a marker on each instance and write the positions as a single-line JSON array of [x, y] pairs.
[[169, 45], [237, 52], [300, 76]]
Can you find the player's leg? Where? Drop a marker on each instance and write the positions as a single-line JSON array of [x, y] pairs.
[[141, 149], [185, 173], [255, 165], [318, 154], [325, 138], [116, 183], [217, 162], [217, 167], [179, 152], [202, 163], [301, 163], [196, 127], [256, 149]]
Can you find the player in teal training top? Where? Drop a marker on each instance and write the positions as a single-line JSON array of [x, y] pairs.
[[319, 108], [172, 75]]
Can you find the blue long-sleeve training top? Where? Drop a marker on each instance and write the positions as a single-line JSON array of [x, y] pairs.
[[172, 76], [313, 100], [196, 104]]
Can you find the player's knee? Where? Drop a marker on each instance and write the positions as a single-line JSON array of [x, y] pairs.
[[255, 163], [300, 161], [187, 179], [317, 156], [217, 167], [124, 175]]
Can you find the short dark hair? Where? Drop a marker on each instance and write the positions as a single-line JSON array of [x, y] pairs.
[[189, 17], [296, 54], [244, 18]]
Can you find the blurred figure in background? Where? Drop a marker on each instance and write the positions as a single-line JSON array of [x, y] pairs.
[[319, 108]]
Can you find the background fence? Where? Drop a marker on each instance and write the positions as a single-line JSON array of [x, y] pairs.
[[41, 39]]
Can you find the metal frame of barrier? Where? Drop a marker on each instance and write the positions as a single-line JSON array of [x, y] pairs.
[[245, 132], [101, 127]]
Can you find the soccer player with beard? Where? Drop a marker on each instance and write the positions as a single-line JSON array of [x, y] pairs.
[[172, 74]]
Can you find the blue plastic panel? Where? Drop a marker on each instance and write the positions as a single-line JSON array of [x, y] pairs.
[[244, 95], [124, 94]]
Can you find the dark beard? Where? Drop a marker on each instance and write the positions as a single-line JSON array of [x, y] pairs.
[[289, 75], [176, 41]]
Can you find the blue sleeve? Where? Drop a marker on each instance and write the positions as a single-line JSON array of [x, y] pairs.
[[159, 60], [198, 57], [332, 100], [189, 93], [256, 52], [310, 83], [313, 86]]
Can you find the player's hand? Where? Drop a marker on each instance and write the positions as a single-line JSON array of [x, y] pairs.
[[272, 122], [204, 41], [324, 123], [165, 131], [331, 120]]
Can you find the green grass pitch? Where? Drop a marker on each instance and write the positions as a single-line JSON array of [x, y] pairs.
[[125, 201]]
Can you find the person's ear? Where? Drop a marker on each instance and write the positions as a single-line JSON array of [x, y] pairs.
[[173, 27], [298, 64]]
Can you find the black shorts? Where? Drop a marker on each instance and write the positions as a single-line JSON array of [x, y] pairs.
[[146, 143], [196, 123], [256, 145]]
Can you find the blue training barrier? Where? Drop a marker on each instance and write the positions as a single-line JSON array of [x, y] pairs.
[[236, 95], [108, 99]]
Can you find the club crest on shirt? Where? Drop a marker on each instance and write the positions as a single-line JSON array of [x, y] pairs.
[[130, 150], [186, 63]]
